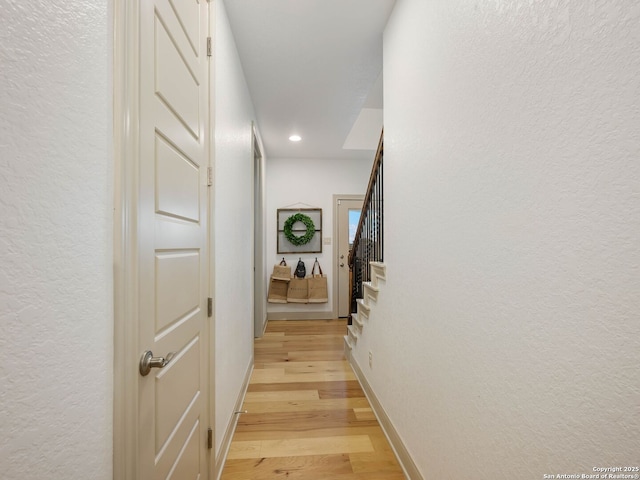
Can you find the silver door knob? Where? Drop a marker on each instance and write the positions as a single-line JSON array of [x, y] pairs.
[[148, 361]]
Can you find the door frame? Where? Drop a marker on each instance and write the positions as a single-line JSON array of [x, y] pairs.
[[125, 132], [259, 237], [126, 118], [336, 252]]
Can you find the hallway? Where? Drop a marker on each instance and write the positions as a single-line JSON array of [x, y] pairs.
[[308, 417]]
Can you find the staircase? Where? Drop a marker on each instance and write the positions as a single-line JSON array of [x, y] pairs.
[[366, 255], [370, 292]]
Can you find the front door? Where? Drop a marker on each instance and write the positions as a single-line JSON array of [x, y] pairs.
[[172, 239], [348, 217]]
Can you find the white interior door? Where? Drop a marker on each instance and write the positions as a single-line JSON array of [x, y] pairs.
[[172, 239], [348, 217]]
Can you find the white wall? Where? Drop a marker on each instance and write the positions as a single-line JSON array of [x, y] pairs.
[[233, 225], [312, 182], [506, 341], [56, 293]]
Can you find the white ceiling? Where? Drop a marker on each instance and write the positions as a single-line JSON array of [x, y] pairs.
[[312, 66]]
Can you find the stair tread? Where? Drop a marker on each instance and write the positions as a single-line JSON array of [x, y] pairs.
[[371, 286], [361, 301], [380, 270]]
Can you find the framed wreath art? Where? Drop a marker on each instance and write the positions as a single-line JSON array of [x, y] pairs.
[[300, 230]]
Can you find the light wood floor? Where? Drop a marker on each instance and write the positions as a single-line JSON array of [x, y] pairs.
[[307, 415]]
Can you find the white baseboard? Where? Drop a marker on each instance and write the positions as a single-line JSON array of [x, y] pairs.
[[406, 462], [231, 427]]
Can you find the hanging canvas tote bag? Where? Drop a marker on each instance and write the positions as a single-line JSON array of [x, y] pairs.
[[298, 291], [281, 271], [279, 283], [317, 285], [277, 291]]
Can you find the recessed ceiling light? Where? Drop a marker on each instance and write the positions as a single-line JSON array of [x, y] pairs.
[[295, 138]]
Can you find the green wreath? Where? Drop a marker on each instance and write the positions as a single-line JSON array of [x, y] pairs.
[[288, 229]]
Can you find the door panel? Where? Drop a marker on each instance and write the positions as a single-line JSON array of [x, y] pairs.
[[177, 183], [173, 400], [173, 457], [176, 390], [187, 14], [175, 82], [189, 458], [177, 286]]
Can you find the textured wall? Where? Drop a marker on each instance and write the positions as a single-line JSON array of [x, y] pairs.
[[233, 224], [313, 182], [507, 340], [55, 241]]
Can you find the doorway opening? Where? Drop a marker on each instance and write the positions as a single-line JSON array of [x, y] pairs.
[[347, 210]]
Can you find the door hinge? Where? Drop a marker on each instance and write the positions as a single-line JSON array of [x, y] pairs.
[[209, 438], [209, 307], [208, 46], [339, 202], [209, 176]]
